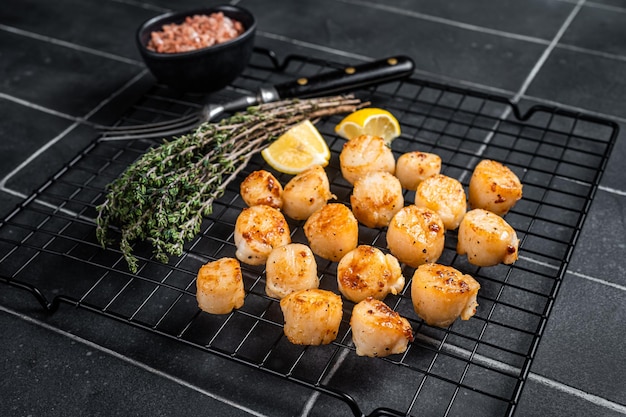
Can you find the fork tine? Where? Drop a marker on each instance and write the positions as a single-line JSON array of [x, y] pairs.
[[151, 125], [152, 130], [174, 126]]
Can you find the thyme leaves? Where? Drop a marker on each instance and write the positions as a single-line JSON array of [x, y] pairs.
[[163, 197]]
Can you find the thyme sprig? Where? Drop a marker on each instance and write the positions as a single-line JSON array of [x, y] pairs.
[[163, 197]]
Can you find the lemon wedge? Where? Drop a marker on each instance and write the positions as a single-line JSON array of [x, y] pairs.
[[298, 149], [369, 121]]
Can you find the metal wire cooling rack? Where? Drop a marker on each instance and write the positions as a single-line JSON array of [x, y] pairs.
[[475, 367]]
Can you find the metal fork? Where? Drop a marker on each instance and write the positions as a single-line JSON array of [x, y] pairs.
[[332, 82]]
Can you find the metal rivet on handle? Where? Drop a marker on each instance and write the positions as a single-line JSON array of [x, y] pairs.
[[303, 81], [350, 70], [392, 61]]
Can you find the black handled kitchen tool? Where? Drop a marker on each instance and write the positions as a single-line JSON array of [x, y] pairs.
[[338, 81]]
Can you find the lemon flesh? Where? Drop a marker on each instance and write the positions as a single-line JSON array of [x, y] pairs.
[[298, 149], [369, 121]]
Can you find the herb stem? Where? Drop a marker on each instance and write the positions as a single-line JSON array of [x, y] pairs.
[[164, 195]]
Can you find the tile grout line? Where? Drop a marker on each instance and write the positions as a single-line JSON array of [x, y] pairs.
[[546, 53], [32, 157], [548, 382], [313, 46], [446, 21], [527, 81], [64, 133], [520, 93], [567, 389], [391, 9], [594, 399], [597, 280], [39, 107], [583, 50], [577, 274], [69, 45], [309, 404], [143, 5], [338, 52], [418, 15], [551, 383], [605, 7], [528, 259], [139, 364], [487, 30], [612, 190]]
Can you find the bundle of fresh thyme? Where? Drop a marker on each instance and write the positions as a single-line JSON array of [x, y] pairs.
[[164, 195]]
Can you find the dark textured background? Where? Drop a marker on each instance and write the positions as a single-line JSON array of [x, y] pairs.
[[69, 58]]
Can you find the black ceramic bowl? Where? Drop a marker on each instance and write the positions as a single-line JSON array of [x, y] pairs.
[[202, 70]]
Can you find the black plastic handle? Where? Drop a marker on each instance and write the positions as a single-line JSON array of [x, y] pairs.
[[348, 79]]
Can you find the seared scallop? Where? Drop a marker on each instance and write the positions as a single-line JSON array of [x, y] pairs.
[[375, 198], [440, 294], [487, 239], [377, 330], [444, 195], [332, 231], [494, 187], [258, 230], [416, 235], [305, 193], [364, 154], [312, 317], [261, 187], [219, 286], [367, 272], [414, 167], [290, 268]]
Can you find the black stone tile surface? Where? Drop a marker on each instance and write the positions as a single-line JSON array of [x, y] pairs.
[[9, 203], [130, 358], [598, 29], [24, 122], [588, 83], [603, 241], [71, 56], [616, 5], [436, 47], [582, 337], [87, 380], [584, 81], [534, 19], [57, 77], [111, 30], [539, 399], [64, 147]]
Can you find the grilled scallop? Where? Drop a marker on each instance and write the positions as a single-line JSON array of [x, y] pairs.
[[364, 154], [494, 187], [377, 330], [444, 195], [312, 317], [367, 272], [219, 286], [332, 231], [440, 294], [261, 187], [416, 235], [414, 167], [258, 230], [290, 268], [305, 193], [375, 198], [487, 239]]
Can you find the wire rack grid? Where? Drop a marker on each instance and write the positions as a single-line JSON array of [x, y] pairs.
[[477, 366]]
